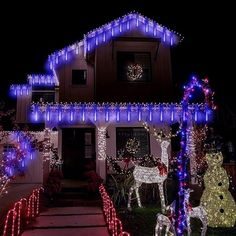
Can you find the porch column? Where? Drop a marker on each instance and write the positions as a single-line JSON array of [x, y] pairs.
[[46, 154], [101, 151], [191, 151]]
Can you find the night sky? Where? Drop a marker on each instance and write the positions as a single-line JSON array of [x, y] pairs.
[[30, 32]]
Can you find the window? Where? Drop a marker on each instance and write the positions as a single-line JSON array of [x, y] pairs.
[[124, 134], [134, 66], [43, 96], [79, 77]]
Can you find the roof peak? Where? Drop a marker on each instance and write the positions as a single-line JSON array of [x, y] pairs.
[[113, 29]]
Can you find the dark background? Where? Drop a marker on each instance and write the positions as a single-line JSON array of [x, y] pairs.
[[30, 31]]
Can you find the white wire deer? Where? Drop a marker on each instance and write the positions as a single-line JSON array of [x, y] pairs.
[[150, 175], [166, 222], [194, 212]]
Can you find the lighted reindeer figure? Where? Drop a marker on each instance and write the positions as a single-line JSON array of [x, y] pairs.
[[150, 175], [166, 221], [194, 212]]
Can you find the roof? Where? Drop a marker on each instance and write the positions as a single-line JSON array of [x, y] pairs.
[[113, 29]]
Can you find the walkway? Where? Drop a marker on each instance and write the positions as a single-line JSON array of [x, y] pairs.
[[69, 221], [76, 212]]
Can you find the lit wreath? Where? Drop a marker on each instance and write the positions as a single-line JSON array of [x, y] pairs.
[[135, 72], [132, 146]]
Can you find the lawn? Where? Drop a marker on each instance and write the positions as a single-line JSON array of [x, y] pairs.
[[142, 221]]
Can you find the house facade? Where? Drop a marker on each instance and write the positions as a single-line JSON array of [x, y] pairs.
[[99, 91]]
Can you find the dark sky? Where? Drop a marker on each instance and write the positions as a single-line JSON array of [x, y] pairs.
[[31, 31]]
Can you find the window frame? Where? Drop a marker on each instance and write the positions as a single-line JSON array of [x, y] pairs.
[[120, 77], [131, 130]]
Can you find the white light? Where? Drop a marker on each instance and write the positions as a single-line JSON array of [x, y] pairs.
[[118, 115], [102, 143], [83, 115], [139, 115]]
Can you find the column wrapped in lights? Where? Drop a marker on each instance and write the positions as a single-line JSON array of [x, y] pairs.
[[101, 143], [47, 145], [183, 158], [191, 153]]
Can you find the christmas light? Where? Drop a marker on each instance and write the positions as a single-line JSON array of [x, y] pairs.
[[20, 90], [114, 224], [183, 158], [151, 175], [54, 113], [216, 198], [107, 32], [134, 72], [22, 210], [42, 80], [101, 143]]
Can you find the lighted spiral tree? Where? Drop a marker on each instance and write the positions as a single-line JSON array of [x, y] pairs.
[[194, 86]]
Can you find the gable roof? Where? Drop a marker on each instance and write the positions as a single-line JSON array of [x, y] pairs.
[[115, 28]]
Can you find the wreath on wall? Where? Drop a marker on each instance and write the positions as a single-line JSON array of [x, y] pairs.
[[134, 72]]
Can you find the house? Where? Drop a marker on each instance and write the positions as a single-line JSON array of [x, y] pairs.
[[99, 91]]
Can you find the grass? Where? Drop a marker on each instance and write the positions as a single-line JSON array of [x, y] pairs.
[[142, 222]]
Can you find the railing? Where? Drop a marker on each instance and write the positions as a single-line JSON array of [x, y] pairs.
[[22, 213], [114, 224]]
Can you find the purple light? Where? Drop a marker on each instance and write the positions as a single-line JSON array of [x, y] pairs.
[[139, 114], [107, 115], [95, 113], [172, 113], [150, 113], [114, 28], [118, 114]]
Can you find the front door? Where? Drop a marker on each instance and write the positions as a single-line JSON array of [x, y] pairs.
[[78, 152]]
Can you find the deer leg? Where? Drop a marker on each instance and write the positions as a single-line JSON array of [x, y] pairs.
[[157, 232], [162, 197], [137, 185], [188, 225], [131, 190], [167, 229], [204, 225]]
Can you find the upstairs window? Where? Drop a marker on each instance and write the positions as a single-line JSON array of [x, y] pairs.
[[134, 66], [79, 77]]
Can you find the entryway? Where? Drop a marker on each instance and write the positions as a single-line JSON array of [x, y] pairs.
[[78, 152]]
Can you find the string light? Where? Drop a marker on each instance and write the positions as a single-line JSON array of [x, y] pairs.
[[24, 143], [101, 143], [107, 32], [151, 175], [23, 210], [134, 72], [183, 158], [54, 113], [114, 224]]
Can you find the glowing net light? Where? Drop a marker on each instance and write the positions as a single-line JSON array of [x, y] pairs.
[[101, 143]]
